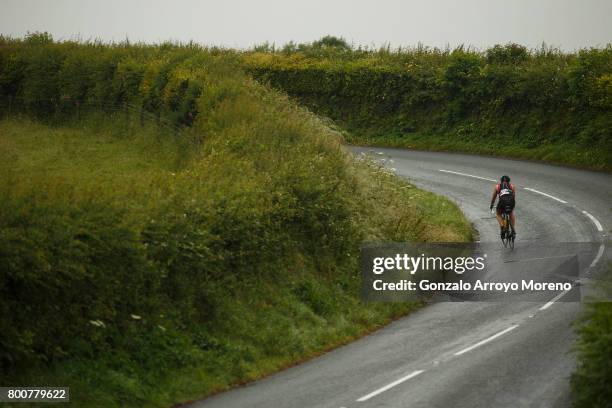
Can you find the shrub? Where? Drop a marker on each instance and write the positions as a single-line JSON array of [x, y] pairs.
[[590, 382]]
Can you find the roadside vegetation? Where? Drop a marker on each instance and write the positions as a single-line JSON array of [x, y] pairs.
[[170, 228], [541, 104], [592, 378]]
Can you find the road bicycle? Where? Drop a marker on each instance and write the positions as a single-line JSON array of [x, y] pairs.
[[507, 235]]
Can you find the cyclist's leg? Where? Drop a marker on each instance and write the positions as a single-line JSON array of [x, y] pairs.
[[513, 221], [498, 213], [499, 218]]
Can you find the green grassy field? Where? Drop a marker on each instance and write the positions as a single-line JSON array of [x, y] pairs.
[[95, 160]]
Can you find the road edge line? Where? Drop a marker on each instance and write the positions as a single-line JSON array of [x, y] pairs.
[[595, 221]]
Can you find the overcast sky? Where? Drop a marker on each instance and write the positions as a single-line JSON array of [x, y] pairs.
[[243, 23]]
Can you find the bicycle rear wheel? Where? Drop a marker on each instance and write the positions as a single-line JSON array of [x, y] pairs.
[[505, 235]]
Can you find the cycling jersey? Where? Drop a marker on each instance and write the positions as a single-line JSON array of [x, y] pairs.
[[504, 189]]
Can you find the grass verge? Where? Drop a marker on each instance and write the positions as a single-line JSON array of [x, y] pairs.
[[561, 153]]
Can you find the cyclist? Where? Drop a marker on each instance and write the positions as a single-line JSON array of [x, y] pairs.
[[507, 195]]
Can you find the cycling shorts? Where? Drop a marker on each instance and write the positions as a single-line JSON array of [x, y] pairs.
[[505, 201]]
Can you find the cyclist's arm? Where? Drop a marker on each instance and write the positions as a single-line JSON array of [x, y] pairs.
[[494, 196]]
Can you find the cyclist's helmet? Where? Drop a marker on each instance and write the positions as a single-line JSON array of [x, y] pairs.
[[505, 178]]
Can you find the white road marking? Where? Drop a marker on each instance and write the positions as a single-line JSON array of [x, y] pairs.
[[595, 221], [553, 300], [598, 257], [547, 195], [480, 343], [389, 386], [467, 175]]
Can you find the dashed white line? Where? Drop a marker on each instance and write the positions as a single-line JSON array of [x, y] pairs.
[[547, 195], [488, 339], [391, 385], [553, 300], [595, 221], [467, 175]]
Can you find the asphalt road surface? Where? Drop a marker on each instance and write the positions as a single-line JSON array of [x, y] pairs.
[[471, 354]]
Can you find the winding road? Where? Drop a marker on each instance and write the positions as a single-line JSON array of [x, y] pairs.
[[462, 354]]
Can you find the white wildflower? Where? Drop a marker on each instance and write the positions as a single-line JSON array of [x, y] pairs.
[[97, 323]]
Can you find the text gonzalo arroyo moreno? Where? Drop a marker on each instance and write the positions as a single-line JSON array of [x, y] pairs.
[[459, 265]]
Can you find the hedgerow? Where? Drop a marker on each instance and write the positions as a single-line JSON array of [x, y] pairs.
[[504, 100]]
